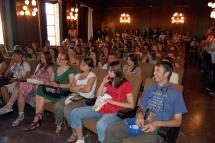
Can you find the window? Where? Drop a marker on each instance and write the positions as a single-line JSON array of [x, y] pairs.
[[52, 20], [1, 32]]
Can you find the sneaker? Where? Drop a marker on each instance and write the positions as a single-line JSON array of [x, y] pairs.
[[80, 141], [6, 109], [17, 121]]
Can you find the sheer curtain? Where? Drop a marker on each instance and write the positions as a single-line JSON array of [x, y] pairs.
[[90, 22]]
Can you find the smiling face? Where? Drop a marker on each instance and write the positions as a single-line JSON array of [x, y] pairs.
[[160, 75]]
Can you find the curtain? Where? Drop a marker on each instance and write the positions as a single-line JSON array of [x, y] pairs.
[[8, 17], [90, 23]]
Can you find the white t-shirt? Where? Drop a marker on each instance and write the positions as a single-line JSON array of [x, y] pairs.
[[174, 78], [19, 70], [84, 82]]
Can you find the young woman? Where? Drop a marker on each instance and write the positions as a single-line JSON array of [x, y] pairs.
[[132, 65], [84, 86], [72, 57], [25, 91], [94, 57], [62, 77], [119, 89], [53, 52]]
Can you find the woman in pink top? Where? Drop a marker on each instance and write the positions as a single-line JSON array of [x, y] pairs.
[[120, 91]]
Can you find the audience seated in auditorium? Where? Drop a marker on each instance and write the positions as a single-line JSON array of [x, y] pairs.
[[119, 89], [61, 79], [25, 91], [162, 105], [17, 71], [83, 87]]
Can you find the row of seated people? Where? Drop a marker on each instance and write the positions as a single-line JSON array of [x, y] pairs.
[[63, 77]]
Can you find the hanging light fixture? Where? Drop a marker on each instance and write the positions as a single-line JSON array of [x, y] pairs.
[[73, 14], [212, 5], [28, 8], [125, 18], [177, 18]]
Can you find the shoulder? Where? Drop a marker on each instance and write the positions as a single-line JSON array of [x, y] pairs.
[[91, 74], [173, 91], [126, 86], [25, 63]]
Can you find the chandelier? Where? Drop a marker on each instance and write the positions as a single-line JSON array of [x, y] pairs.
[[73, 14], [212, 5], [178, 18], [125, 18], [29, 7]]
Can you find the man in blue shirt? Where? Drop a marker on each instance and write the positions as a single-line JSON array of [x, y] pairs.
[[162, 106]]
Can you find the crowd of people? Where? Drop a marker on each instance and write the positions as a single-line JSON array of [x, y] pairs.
[[120, 54]]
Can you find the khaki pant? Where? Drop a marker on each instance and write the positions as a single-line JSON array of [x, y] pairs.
[[118, 133], [61, 110]]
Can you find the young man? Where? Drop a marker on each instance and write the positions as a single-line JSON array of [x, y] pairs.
[[18, 70], [162, 106]]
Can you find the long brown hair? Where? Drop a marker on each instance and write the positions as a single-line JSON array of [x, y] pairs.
[[48, 59], [119, 78]]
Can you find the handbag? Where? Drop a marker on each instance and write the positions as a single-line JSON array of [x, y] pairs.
[[90, 101], [54, 91], [4, 80]]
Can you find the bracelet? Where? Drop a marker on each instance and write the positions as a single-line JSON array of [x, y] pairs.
[[140, 110]]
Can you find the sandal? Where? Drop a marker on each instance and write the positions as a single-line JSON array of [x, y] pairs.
[[6, 109], [72, 138], [35, 124], [17, 121]]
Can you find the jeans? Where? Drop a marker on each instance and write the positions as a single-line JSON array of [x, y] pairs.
[[78, 114]]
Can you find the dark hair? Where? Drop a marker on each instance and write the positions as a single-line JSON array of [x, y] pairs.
[[88, 61], [133, 58], [119, 79], [55, 53], [48, 59], [1, 57], [97, 58], [167, 67], [168, 59], [18, 51]]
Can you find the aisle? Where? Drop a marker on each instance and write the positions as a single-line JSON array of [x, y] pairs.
[[198, 123]]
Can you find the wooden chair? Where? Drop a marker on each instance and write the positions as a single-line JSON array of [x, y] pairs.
[[147, 71]]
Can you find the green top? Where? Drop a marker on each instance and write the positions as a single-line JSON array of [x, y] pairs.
[[63, 78]]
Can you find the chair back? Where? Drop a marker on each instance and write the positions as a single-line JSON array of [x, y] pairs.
[[147, 70], [100, 74]]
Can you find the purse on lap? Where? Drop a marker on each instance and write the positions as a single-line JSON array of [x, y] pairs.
[[54, 91]]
